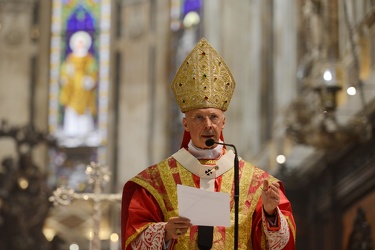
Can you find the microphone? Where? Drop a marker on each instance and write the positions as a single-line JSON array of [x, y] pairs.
[[211, 142]]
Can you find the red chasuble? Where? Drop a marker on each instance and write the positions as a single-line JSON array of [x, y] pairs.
[[151, 197]]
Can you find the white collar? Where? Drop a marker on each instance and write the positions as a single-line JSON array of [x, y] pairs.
[[192, 164], [207, 173], [207, 154]]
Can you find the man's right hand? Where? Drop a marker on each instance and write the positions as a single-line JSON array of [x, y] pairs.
[[176, 227]]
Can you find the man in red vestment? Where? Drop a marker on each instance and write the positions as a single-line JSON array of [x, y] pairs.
[[203, 87]]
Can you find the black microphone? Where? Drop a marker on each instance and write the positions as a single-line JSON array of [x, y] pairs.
[[211, 142]]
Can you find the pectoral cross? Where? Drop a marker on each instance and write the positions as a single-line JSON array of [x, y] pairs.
[[98, 175]]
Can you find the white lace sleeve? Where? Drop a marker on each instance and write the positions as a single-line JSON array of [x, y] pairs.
[[277, 239], [152, 238]]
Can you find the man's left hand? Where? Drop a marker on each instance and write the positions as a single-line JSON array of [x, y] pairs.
[[270, 197]]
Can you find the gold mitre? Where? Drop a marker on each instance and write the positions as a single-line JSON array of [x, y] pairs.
[[203, 80]]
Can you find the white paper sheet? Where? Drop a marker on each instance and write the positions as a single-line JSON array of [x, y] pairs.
[[203, 207]]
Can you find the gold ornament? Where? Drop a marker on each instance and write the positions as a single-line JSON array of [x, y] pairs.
[[203, 80]]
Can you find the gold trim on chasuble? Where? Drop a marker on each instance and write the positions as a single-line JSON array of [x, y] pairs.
[[149, 180], [291, 226], [250, 180], [161, 184]]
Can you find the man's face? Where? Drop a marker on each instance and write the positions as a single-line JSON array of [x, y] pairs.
[[204, 124]]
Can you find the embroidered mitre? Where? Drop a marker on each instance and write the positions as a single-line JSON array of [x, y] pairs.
[[203, 80]]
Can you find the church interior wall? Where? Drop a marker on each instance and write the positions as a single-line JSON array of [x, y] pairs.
[[24, 75], [142, 95]]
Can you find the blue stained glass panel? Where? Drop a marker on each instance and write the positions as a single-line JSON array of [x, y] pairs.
[[80, 19], [192, 5]]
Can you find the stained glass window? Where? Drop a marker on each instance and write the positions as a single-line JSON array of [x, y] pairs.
[[182, 10], [79, 79]]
